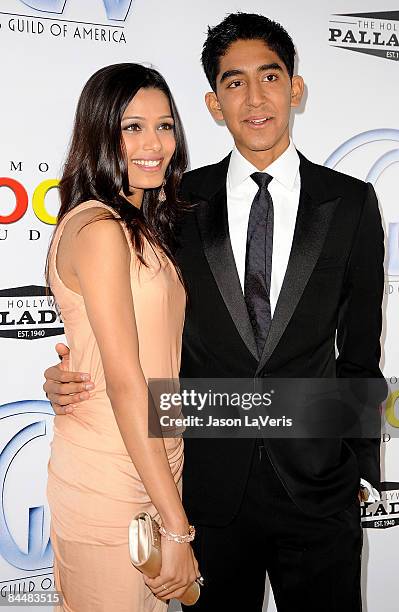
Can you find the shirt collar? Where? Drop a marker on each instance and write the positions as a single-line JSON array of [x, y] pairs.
[[284, 169]]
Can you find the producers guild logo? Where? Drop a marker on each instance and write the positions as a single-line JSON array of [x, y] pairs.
[[371, 33], [385, 513], [54, 19], [28, 313], [376, 167], [116, 10], [26, 556]]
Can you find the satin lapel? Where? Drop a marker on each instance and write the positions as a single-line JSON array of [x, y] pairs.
[[311, 227], [213, 224]]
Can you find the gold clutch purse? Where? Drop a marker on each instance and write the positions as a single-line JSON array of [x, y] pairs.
[[145, 552]]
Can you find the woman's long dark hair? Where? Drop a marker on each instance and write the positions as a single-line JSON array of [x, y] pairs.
[[96, 166]]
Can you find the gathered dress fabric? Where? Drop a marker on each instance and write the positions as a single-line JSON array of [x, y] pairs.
[[93, 487]]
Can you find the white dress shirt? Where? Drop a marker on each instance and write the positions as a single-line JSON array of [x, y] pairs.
[[285, 191]]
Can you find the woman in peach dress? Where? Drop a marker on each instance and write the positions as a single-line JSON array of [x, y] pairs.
[[111, 269]]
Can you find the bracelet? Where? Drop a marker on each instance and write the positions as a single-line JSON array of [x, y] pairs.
[[175, 537]]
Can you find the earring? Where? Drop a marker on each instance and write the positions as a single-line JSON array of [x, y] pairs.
[[162, 194]]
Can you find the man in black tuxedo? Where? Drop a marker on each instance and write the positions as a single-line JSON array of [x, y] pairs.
[[282, 258]]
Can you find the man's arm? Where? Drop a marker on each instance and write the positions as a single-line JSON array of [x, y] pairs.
[[66, 389], [360, 322]]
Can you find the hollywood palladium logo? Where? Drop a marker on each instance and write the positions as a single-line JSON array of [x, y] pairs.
[[371, 33], [29, 313], [385, 513]]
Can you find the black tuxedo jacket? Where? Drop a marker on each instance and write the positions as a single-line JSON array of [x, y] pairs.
[[333, 284]]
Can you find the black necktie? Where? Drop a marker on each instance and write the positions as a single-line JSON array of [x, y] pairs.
[[258, 261]]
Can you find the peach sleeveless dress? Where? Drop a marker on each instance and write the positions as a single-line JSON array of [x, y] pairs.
[[93, 487]]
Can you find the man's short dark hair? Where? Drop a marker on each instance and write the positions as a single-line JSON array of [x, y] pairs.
[[245, 26]]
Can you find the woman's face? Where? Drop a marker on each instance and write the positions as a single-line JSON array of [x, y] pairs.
[[148, 133]]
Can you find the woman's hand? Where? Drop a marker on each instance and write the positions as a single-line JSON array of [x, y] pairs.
[[179, 570]]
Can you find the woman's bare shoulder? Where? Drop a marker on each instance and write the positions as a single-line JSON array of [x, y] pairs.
[[93, 219]]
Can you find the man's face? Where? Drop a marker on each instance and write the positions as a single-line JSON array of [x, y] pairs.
[[254, 96]]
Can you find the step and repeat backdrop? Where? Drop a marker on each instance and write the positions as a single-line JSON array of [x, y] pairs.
[[348, 52]]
